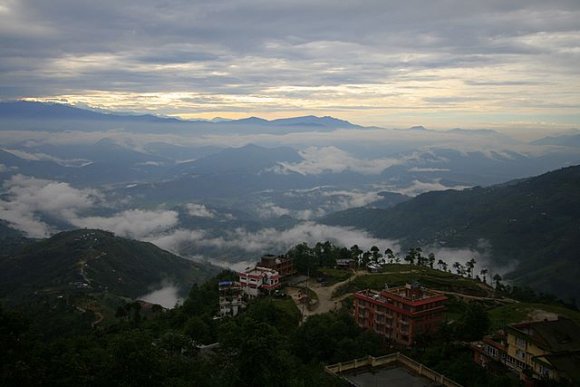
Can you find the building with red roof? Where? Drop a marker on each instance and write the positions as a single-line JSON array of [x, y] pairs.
[[400, 314]]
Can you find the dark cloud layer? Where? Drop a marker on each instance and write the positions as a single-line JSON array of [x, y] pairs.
[[196, 57]]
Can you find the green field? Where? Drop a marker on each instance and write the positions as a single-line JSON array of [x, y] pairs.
[[513, 313], [397, 275], [333, 276]]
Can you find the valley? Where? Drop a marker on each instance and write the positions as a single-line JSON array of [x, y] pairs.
[[223, 192]]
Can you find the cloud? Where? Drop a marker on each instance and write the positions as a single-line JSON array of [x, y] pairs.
[[235, 266], [135, 224], [418, 169], [200, 210], [418, 187], [176, 240], [167, 297], [43, 156], [270, 210], [267, 240], [312, 203], [348, 199], [389, 61], [366, 150], [330, 159], [27, 198], [482, 255], [29, 201]]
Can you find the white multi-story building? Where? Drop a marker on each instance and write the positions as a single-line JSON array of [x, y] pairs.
[[254, 281], [230, 298]]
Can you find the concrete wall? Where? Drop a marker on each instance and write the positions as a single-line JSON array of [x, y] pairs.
[[392, 359]]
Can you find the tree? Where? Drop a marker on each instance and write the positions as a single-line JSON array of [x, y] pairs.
[[366, 257], [14, 367], [375, 253], [135, 361], [420, 258], [442, 265], [328, 256], [390, 256], [175, 343], [355, 253], [411, 256], [431, 260], [470, 265], [258, 351], [473, 323], [497, 279], [483, 273], [302, 255], [459, 268], [198, 330]]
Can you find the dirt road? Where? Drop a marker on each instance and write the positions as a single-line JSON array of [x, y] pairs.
[[324, 293], [327, 303]]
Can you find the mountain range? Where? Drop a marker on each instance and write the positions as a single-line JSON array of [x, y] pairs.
[[37, 115], [529, 223], [222, 189]]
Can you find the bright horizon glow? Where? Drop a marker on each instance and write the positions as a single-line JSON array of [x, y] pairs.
[[510, 67]]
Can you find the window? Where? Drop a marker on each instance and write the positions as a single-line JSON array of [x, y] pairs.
[[491, 351], [544, 371], [521, 343]]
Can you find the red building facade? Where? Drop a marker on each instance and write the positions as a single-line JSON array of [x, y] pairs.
[[399, 314]]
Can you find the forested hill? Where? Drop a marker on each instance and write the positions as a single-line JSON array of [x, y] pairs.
[[95, 261], [534, 221]]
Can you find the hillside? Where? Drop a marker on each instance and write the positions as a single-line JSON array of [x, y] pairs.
[[11, 240], [533, 222], [94, 261], [250, 158]]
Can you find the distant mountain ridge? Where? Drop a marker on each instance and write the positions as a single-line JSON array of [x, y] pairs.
[[27, 110], [326, 121], [40, 110], [569, 140], [533, 222], [250, 157]]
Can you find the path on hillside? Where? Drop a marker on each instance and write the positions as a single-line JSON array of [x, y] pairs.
[[479, 298], [324, 293], [99, 319], [326, 303]]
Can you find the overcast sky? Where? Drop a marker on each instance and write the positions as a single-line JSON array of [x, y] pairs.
[[439, 63]]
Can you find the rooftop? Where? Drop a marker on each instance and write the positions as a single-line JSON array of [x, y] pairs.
[[412, 293], [567, 363], [258, 270], [393, 376], [555, 336], [394, 369]]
